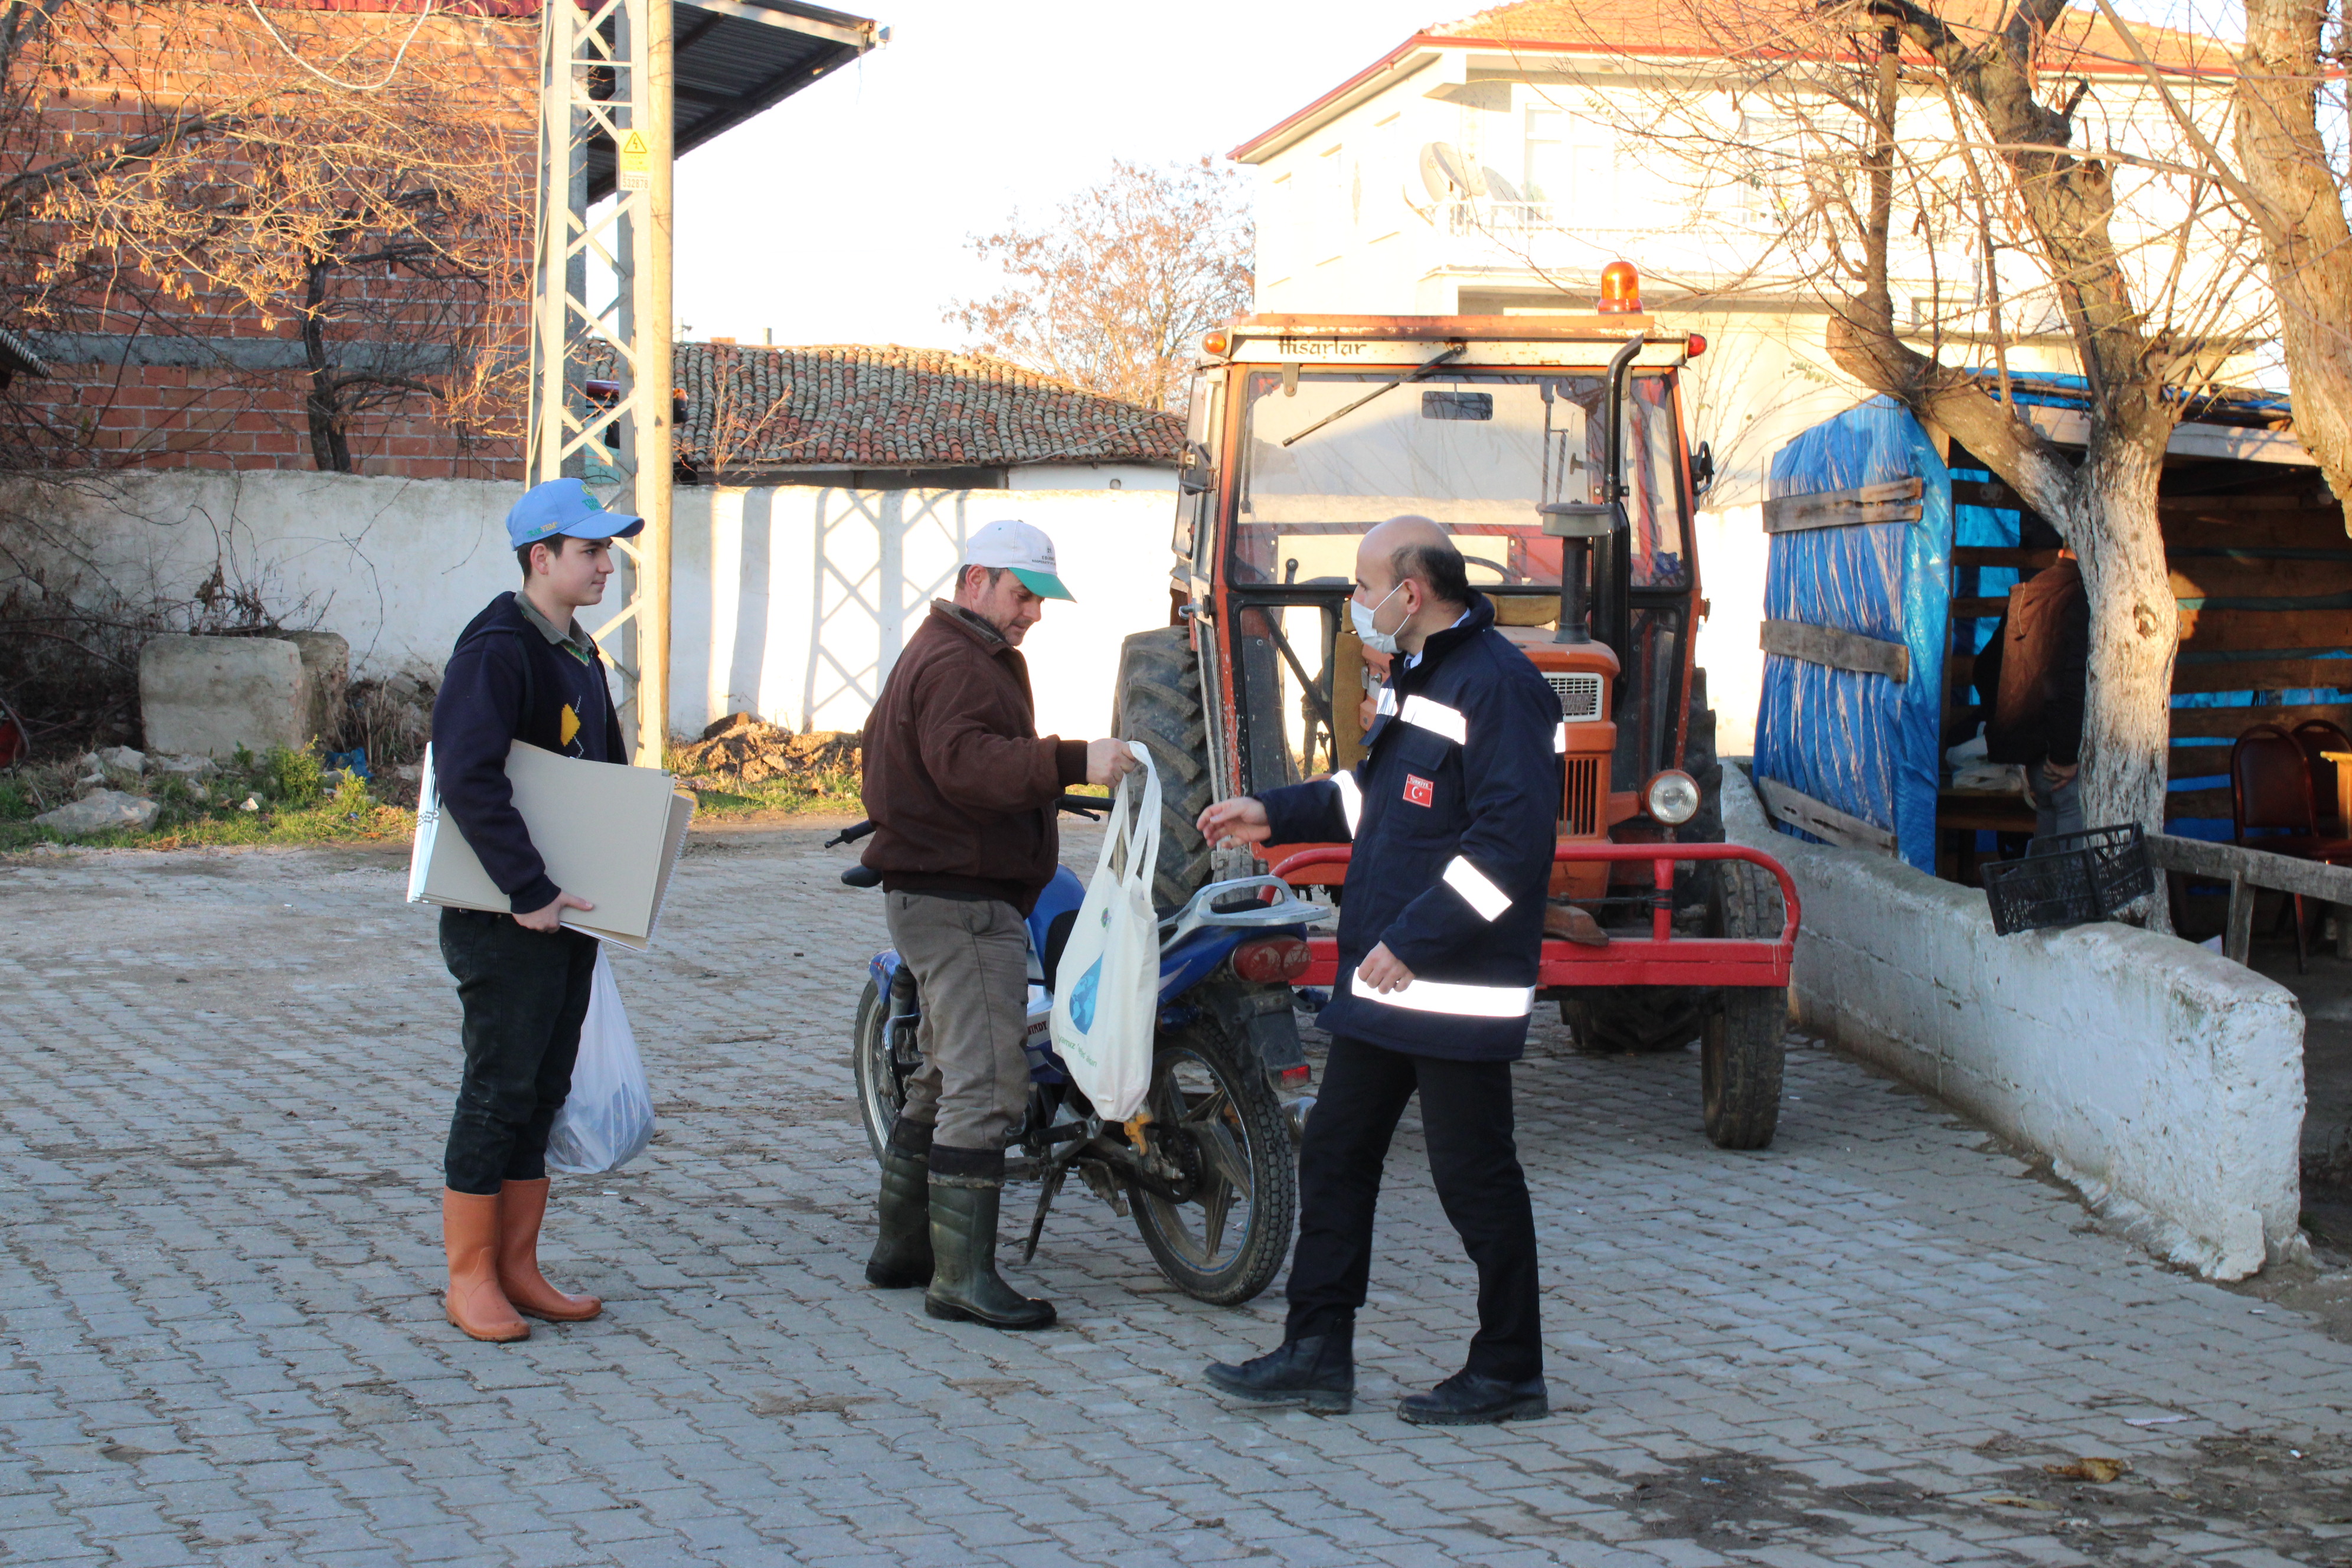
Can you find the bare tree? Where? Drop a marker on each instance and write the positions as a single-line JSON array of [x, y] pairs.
[[1114, 294], [1944, 187], [366, 183]]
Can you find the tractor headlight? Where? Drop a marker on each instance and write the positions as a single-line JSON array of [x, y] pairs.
[[1671, 797]]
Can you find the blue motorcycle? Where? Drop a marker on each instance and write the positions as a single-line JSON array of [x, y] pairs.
[[1207, 1167]]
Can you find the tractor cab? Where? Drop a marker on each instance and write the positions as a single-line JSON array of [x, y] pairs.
[[1553, 450]]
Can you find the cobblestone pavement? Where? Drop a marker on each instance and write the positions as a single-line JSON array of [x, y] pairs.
[[227, 1078]]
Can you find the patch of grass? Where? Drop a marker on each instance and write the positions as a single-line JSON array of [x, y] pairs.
[[296, 801], [830, 793]]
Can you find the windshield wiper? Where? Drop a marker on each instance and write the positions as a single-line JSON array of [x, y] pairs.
[[1385, 386]]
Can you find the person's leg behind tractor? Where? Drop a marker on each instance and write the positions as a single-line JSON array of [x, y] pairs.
[[1364, 1090], [970, 962], [525, 995]]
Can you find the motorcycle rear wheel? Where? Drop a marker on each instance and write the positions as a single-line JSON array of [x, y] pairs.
[[879, 1092], [1226, 1243]]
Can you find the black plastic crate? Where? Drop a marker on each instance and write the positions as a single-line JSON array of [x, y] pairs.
[[2070, 878]]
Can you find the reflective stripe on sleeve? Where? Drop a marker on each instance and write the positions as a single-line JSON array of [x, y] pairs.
[[1559, 738], [1453, 999], [1476, 890], [1437, 718], [1386, 702], [1351, 800]]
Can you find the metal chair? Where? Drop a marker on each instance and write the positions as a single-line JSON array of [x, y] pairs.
[[2270, 796]]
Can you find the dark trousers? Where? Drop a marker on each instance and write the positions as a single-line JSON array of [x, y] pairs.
[[525, 994], [1465, 1114]]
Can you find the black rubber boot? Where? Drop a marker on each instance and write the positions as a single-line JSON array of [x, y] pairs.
[[965, 1285], [902, 1251], [1318, 1371], [1472, 1399]]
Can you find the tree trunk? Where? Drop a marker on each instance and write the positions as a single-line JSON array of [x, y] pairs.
[[2135, 630], [330, 451], [2306, 242]]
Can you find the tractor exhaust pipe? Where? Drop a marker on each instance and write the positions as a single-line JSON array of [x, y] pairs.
[[1596, 560]]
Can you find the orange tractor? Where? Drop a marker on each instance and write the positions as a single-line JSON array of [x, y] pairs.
[[1553, 450]]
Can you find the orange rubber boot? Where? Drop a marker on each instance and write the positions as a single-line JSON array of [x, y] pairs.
[[521, 1206], [469, 1234]]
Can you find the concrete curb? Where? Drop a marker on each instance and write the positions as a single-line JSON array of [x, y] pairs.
[[2161, 1080]]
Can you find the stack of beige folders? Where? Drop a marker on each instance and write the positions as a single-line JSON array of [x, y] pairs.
[[609, 834]]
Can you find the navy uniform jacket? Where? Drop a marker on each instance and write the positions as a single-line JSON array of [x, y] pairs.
[[1453, 814], [506, 682]]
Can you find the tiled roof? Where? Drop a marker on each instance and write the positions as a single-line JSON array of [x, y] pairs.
[[877, 406], [2081, 40]]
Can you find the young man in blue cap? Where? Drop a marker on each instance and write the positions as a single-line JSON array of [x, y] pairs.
[[524, 670]]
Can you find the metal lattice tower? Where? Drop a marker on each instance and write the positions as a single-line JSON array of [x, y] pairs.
[[606, 74]]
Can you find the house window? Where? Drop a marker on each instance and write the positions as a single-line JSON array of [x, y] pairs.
[[1571, 165]]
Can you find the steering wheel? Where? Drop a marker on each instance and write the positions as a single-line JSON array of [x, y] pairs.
[[1496, 567]]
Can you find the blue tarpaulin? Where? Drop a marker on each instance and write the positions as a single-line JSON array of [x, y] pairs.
[[1867, 744]]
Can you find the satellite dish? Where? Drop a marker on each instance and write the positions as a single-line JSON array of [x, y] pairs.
[[1446, 175], [1499, 188]]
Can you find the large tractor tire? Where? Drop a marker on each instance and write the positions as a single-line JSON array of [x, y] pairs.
[[1159, 703], [1743, 1050], [1615, 1020]]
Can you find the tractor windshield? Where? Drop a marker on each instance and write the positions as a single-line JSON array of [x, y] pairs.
[[1477, 451]]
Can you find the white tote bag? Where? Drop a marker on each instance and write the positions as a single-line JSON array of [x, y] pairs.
[[1107, 1001], [608, 1118]]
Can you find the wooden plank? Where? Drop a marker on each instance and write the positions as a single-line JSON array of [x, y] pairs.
[[2219, 576], [2301, 498], [1822, 820], [2287, 673], [1898, 500], [2239, 939], [1837, 649], [2196, 762], [2212, 802], [2003, 556], [1979, 609], [2258, 868], [2232, 722], [1991, 493], [2246, 631]]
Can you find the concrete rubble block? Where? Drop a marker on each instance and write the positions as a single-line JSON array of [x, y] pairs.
[[99, 811], [327, 661], [122, 759], [209, 696]]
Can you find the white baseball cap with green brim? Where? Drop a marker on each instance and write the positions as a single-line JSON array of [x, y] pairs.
[[1022, 549]]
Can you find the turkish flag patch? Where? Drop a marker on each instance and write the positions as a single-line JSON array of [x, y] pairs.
[[1419, 791]]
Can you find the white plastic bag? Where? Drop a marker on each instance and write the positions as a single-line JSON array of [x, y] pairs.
[[1107, 999], [608, 1118]]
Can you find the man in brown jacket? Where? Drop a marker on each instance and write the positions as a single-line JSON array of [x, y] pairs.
[[2034, 673], [961, 790]]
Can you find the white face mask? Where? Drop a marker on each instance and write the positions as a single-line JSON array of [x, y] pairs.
[[1360, 615]]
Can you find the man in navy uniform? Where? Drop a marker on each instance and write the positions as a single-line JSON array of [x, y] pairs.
[[523, 670], [1440, 927]]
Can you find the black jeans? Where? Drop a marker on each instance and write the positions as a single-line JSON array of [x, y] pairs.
[[525, 994], [1466, 1112]]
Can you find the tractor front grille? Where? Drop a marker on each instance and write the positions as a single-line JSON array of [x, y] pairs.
[[1581, 806], [1579, 694]]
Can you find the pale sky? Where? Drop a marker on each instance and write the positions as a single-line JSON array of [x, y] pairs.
[[840, 216]]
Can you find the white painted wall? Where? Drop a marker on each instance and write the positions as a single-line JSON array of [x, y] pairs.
[[2163, 1081], [790, 600]]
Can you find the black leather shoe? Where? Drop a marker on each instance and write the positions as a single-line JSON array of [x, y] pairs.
[[1468, 1399], [902, 1251], [965, 1285], [1318, 1371]]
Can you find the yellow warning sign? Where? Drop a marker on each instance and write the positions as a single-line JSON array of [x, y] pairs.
[[636, 163]]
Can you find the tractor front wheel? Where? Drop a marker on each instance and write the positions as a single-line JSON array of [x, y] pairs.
[[1743, 1051]]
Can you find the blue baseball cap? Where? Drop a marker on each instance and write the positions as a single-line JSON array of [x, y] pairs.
[[564, 506]]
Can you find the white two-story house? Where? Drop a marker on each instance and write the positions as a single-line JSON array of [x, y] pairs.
[[1494, 166]]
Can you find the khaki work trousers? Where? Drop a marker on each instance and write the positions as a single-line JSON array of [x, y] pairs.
[[971, 959]]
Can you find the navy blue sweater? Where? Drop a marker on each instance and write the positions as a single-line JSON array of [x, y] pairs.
[[1452, 813], [506, 682]]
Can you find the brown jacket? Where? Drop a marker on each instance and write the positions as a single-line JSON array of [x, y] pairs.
[[959, 783], [2036, 670]]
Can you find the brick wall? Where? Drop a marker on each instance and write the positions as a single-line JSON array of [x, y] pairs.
[[159, 366]]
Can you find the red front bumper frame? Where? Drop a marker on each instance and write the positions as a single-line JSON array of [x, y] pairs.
[[1660, 959]]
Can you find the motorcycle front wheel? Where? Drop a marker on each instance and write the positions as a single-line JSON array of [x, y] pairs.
[[1214, 1113]]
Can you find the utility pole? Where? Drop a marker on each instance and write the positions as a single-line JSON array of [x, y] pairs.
[[606, 73]]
